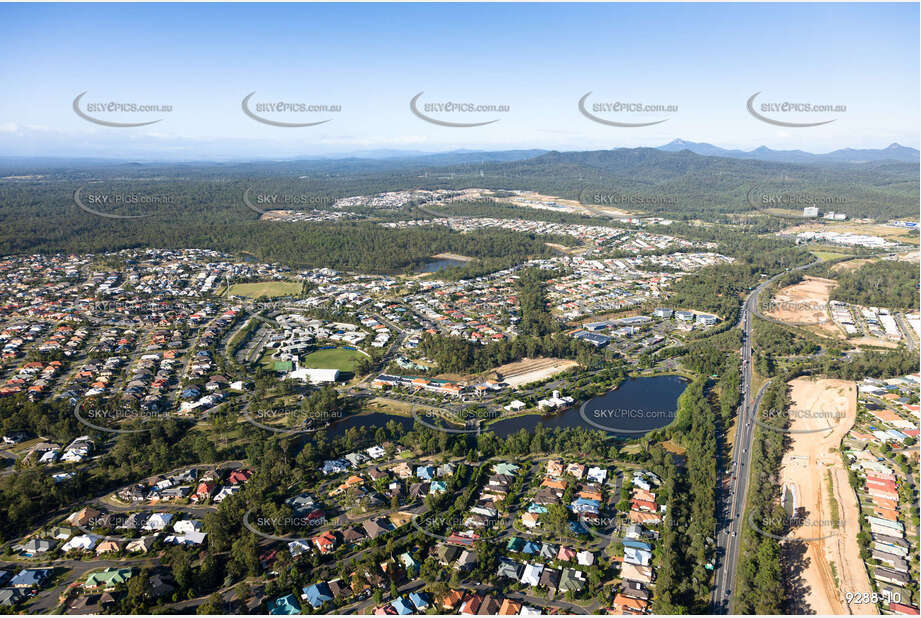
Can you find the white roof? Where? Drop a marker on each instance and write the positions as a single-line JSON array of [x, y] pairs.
[[158, 521], [194, 538], [375, 451], [598, 474], [531, 574], [188, 525], [314, 375], [83, 541]]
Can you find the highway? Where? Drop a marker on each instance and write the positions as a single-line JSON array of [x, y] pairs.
[[730, 522], [906, 331]]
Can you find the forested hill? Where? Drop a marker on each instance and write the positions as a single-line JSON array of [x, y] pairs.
[[678, 184], [204, 205], [691, 185], [373, 162]]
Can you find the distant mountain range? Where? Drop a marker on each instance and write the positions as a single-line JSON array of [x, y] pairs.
[[371, 160], [395, 158], [893, 152]]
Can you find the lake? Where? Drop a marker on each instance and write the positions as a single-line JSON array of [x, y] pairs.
[[639, 406]]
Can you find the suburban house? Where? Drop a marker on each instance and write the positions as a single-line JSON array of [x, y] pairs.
[[107, 579]]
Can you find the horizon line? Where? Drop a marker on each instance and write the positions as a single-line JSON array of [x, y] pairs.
[[394, 153]]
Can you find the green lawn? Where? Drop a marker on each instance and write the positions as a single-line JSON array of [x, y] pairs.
[[259, 289], [266, 359], [828, 255], [339, 358]]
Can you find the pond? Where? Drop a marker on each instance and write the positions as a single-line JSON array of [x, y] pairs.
[[434, 266], [372, 421]]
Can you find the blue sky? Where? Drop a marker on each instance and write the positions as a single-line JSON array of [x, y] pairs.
[[371, 59]]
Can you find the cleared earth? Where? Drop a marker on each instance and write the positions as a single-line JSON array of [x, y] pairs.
[[812, 471], [805, 304], [532, 370]]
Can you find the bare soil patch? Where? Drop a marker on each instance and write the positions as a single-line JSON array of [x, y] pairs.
[[873, 341], [821, 414], [851, 265], [563, 248], [530, 370], [869, 229], [804, 303], [454, 256]]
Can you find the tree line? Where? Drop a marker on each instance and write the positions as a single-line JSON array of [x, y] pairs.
[[887, 283]]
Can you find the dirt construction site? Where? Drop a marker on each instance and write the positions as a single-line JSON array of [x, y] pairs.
[[805, 304], [532, 369], [822, 548]]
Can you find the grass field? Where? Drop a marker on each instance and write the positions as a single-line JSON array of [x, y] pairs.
[[828, 255], [266, 359], [270, 289], [339, 358]]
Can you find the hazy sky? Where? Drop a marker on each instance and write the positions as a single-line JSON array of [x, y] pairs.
[[371, 59]]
